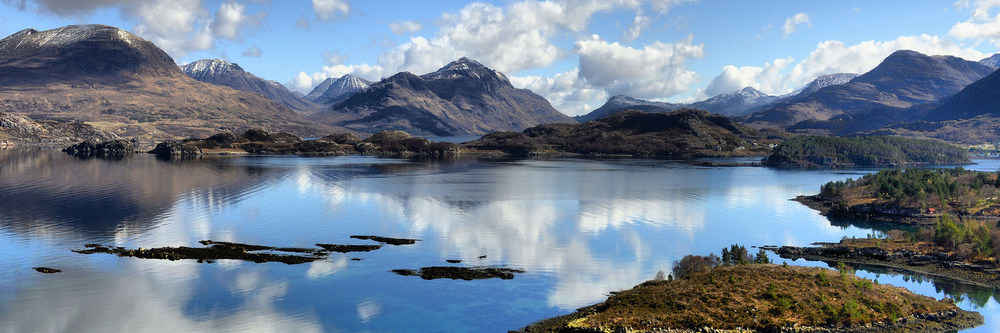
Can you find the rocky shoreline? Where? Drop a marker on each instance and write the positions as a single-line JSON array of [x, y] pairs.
[[926, 263], [870, 214]]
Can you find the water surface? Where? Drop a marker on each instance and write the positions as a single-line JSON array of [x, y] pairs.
[[580, 228]]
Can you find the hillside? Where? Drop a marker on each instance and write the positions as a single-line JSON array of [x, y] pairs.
[[903, 80], [979, 98], [462, 98], [224, 73], [120, 83], [678, 134], [863, 151], [620, 103], [764, 298]]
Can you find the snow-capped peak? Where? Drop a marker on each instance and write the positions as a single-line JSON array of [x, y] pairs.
[[210, 67], [66, 36]]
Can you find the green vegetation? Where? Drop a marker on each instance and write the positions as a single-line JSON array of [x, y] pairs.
[[863, 151], [755, 297], [918, 191]]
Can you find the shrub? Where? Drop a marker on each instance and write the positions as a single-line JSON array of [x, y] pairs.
[[692, 264]]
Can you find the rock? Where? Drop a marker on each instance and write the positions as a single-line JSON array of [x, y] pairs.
[[46, 270], [460, 273], [107, 149], [257, 134], [387, 240], [175, 149], [349, 248], [343, 138]]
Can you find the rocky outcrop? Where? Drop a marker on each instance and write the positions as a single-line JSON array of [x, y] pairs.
[[107, 149], [175, 149], [23, 131]]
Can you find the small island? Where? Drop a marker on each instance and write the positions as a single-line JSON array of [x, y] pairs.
[[710, 295], [940, 222], [863, 152], [912, 196]]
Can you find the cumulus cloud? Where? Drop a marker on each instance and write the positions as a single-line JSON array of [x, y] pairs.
[[328, 9], [656, 70], [177, 26], [231, 19], [981, 25], [405, 27], [564, 90], [780, 76], [521, 35], [252, 51], [792, 23]]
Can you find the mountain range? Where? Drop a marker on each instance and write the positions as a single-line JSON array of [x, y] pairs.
[[332, 91], [462, 98], [126, 85], [223, 73], [903, 80], [736, 103]]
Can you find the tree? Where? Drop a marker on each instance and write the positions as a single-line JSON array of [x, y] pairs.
[[762, 257], [727, 258]]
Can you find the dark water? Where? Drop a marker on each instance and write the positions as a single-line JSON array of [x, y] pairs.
[[580, 228]]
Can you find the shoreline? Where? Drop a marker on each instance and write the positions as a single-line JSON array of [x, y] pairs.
[[824, 207]]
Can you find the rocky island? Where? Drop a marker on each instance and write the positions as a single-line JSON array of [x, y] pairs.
[[764, 298], [685, 133], [259, 141]]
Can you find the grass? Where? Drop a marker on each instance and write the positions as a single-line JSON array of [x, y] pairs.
[[757, 297]]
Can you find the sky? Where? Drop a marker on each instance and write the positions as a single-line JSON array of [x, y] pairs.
[[575, 53]]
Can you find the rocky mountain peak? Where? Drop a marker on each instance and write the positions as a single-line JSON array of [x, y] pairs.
[[93, 50], [211, 67], [467, 68]]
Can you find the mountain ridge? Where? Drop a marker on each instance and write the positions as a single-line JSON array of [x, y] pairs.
[[224, 73], [462, 98]]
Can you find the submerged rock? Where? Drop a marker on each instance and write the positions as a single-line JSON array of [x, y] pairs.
[[349, 248], [218, 250], [387, 240], [46, 270]]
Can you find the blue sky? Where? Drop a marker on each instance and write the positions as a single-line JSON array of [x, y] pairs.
[[576, 53]]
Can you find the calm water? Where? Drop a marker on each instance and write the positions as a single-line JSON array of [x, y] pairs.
[[580, 228]]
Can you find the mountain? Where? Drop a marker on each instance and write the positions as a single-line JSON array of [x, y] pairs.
[[736, 103], [124, 84], [462, 98], [903, 80], [223, 73], [677, 134], [979, 98], [992, 61], [824, 81], [621, 103], [336, 91], [15, 130], [319, 89]]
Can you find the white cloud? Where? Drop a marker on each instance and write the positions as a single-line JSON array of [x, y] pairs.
[[792, 23], [565, 90], [655, 71], [830, 57], [176, 26], [405, 27], [638, 24], [521, 35], [230, 20], [252, 51], [327, 9], [981, 25]]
